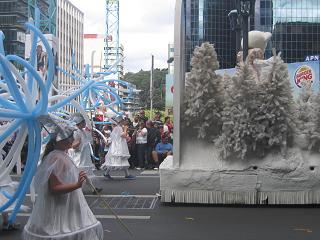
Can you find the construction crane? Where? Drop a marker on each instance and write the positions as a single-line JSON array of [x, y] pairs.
[[48, 10], [112, 46]]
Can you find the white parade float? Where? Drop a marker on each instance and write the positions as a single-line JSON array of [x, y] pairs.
[[240, 140]]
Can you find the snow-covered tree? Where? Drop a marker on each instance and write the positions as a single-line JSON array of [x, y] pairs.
[[226, 83], [240, 104], [203, 96], [305, 114], [315, 132], [274, 120], [259, 113]]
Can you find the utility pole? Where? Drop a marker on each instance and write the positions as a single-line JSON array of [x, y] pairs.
[[245, 30], [151, 86]]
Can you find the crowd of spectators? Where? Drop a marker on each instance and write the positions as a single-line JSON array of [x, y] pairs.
[[149, 141]]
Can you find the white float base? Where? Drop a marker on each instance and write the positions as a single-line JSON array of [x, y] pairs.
[[204, 178]]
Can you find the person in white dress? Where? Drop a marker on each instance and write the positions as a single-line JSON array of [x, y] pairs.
[[118, 154], [61, 211], [82, 141], [81, 148]]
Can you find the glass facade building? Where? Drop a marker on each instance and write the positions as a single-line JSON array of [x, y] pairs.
[[295, 27], [207, 20], [13, 15], [294, 24]]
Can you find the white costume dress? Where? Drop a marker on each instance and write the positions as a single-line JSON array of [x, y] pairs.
[[60, 216], [82, 155], [118, 154]]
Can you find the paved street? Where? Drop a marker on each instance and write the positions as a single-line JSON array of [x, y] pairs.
[[137, 203]]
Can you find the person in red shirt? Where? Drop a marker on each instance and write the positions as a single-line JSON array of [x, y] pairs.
[[168, 128]]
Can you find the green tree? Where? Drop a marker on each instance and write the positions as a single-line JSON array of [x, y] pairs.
[[142, 81]]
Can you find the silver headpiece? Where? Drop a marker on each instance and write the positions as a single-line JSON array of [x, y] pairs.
[[77, 118], [58, 128], [117, 119]]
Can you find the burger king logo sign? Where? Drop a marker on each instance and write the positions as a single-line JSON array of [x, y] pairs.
[[303, 73]]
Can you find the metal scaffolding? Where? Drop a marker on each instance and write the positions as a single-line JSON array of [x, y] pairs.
[[47, 14], [112, 46]]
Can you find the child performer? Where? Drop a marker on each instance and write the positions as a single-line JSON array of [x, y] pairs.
[[61, 211], [118, 154], [81, 147]]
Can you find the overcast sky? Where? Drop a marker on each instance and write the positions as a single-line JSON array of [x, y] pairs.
[[146, 27]]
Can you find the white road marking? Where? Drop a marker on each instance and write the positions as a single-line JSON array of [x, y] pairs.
[[121, 177], [130, 217], [151, 172], [124, 217]]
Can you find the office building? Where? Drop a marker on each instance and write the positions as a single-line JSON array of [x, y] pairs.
[[207, 20], [70, 38], [15, 13], [295, 26]]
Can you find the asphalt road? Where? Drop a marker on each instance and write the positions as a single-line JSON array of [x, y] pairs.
[[138, 205]]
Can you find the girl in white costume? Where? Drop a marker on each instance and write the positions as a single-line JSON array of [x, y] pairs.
[[81, 145], [118, 154], [81, 148], [61, 211]]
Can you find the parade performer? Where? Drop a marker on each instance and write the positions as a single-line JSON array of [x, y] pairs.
[[81, 147], [61, 210], [118, 154]]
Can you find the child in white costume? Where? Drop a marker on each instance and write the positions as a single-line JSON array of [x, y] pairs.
[[81, 147], [118, 154], [61, 211]]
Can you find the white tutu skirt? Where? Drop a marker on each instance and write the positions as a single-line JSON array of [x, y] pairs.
[[93, 232], [118, 154], [116, 163]]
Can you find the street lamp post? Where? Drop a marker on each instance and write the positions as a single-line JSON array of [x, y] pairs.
[[235, 26], [246, 9], [151, 86]]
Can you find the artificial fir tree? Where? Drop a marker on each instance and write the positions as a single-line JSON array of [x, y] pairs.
[[258, 113], [203, 96], [226, 83], [240, 103], [315, 133], [305, 115], [274, 120]]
